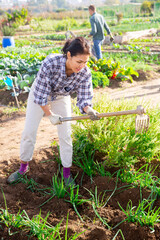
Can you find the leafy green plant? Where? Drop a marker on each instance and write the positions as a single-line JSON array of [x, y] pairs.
[[112, 69], [37, 226], [141, 24], [17, 17], [143, 214], [19, 66], [31, 184], [85, 23], [143, 177], [58, 189], [136, 60], [75, 199], [40, 227], [86, 162], [2, 84], [25, 82], [99, 79], [100, 169], [23, 64], [51, 37], [119, 17], [115, 137], [99, 200], [119, 231], [146, 7], [66, 24], [131, 47], [96, 203], [34, 43], [8, 31], [96, 198]]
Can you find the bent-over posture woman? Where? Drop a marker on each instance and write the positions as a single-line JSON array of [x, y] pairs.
[[59, 76]]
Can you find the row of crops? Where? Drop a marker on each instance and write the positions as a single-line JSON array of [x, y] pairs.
[[134, 24], [22, 65]]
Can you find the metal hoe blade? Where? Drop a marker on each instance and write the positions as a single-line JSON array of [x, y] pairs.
[[142, 123]]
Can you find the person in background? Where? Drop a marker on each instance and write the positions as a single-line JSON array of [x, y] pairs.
[[98, 25], [59, 76]]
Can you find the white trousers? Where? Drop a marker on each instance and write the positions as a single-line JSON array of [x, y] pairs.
[[34, 114]]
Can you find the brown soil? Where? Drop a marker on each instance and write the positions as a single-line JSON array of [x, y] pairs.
[[42, 169], [44, 165]]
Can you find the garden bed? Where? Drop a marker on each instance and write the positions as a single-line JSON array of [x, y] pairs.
[[18, 197], [25, 196]]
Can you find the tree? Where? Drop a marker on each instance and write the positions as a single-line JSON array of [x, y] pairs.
[[146, 7]]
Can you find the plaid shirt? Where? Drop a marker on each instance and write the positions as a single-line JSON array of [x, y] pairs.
[[52, 81]]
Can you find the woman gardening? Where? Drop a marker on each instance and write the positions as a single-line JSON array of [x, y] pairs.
[[59, 76]]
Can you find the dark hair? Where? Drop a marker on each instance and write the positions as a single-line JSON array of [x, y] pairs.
[[77, 46], [92, 7]]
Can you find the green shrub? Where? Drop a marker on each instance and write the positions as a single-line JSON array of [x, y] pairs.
[[66, 24], [146, 7], [112, 69], [99, 79], [112, 23], [7, 31], [115, 137], [119, 17], [85, 24], [109, 13], [17, 17]]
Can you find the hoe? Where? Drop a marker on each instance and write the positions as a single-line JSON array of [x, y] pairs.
[[141, 120]]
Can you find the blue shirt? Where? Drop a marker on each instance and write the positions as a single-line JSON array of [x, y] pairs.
[[98, 24]]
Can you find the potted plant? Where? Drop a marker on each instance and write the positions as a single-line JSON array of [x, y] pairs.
[[8, 39]]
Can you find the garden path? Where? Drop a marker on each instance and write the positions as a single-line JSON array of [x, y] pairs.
[[10, 136], [148, 90]]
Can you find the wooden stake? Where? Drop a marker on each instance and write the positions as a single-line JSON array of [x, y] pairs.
[[15, 96]]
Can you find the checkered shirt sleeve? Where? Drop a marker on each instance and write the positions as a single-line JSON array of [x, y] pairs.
[[85, 92], [42, 86]]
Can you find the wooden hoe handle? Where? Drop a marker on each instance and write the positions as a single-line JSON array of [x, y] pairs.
[[140, 110]]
